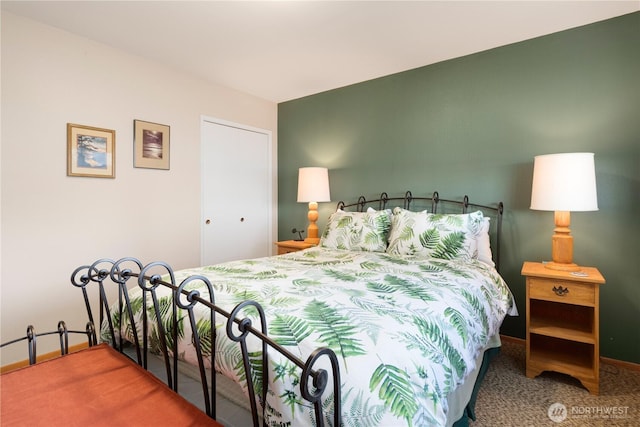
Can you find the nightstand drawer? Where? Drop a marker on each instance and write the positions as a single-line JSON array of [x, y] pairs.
[[286, 250], [289, 246], [562, 291]]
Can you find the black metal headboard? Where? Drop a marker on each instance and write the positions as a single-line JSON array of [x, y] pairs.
[[436, 205]]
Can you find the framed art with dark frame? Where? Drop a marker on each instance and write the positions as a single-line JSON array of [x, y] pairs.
[[150, 145], [90, 151]]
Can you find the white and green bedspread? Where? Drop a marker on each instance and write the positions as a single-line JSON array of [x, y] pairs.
[[407, 332]]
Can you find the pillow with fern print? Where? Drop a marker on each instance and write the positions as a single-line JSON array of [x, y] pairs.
[[427, 235], [357, 231]]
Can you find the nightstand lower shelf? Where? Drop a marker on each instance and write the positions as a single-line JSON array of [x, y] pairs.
[[551, 330], [567, 357]]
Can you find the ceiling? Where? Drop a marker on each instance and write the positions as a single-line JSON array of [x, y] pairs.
[[283, 50]]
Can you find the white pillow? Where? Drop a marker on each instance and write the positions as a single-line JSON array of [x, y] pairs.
[[484, 244]]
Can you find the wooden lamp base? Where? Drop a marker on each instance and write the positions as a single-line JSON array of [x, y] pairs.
[[312, 230], [562, 244]]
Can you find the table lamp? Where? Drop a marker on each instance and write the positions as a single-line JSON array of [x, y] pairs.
[[313, 187], [563, 183]]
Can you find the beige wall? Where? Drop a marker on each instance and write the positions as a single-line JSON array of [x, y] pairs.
[[52, 223]]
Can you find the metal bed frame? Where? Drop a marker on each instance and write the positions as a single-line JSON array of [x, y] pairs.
[[63, 333], [439, 205], [107, 277], [107, 274]]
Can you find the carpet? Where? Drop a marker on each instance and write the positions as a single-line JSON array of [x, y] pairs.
[[508, 398]]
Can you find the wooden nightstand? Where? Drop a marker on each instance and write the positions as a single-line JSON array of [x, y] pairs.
[[292, 246], [563, 323]]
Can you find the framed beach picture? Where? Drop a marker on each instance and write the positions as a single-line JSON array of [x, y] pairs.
[[150, 145], [90, 151]]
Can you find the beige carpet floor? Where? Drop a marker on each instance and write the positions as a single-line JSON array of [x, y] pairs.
[[508, 398]]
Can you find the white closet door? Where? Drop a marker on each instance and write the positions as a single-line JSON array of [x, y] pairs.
[[236, 192]]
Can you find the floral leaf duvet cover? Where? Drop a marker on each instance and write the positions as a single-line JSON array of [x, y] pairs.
[[407, 331]]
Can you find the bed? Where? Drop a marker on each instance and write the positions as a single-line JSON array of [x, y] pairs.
[[403, 296]]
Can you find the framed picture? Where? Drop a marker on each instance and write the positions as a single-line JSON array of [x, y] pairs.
[[90, 151], [150, 145]]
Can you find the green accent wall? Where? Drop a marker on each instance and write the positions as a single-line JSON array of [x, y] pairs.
[[472, 125]]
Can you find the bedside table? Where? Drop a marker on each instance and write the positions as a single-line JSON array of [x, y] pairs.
[[563, 323], [287, 246]]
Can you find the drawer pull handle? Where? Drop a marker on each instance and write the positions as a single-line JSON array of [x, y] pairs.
[[560, 291]]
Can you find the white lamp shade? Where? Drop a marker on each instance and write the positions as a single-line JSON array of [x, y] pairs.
[[313, 185], [564, 182]]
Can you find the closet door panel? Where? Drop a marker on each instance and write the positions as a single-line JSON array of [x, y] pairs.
[[236, 192]]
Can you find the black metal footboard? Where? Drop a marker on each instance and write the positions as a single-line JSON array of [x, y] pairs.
[[31, 337], [109, 282]]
